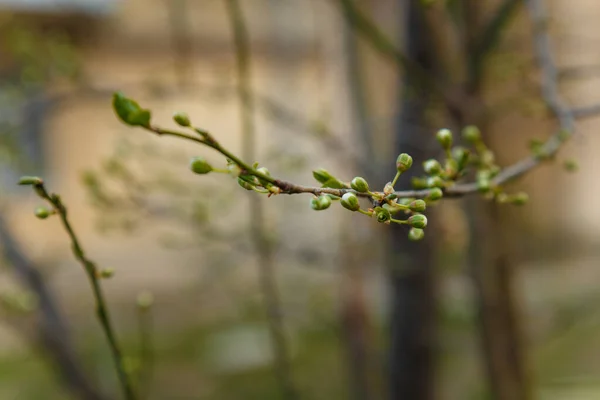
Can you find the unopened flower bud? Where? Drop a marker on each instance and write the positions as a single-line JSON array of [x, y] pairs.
[[182, 119], [388, 188], [418, 205], [145, 300], [418, 221], [200, 166], [419, 183], [350, 202], [403, 162], [471, 134], [444, 137], [416, 234], [324, 202], [435, 194], [42, 212], [483, 185], [451, 168], [383, 215], [435, 181], [264, 171], [359, 184], [432, 167]]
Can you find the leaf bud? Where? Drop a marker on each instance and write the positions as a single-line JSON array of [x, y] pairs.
[[350, 202], [435, 194], [200, 166], [417, 221], [461, 155], [322, 175], [107, 273], [359, 184], [182, 119], [416, 234], [444, 137], [417, 205], [42, 212], [471, 134], [130, 112], [403, 162], [30, 180], [432, 167], [244, 184]]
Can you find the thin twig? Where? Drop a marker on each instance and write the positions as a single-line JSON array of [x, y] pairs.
[[94, 278], [53, 332]]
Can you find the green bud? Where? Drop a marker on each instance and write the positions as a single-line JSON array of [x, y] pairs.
[[435, 181], [483, 184], [403, 162], [182, 119], [383, 215], [487, 157], [145, 300], [417, 221], [30, 180], [416, 234], [324, 202], [451, 168], [314, 204], [435, 194], [42, 212], [519, 199], [322, 175], [570, 166], [471, 134], [107, 273], [350, 202], [417, 205], [444, 137], [432, 167], [359, 184], [419, 183], [244, 184], [461, 155], [264, 171], [198, 165], [130, 112]]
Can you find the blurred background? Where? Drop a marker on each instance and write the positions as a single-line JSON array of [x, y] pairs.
[[221, 294]]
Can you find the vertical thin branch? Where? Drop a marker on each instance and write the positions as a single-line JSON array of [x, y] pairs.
[[268, 283], [53, 331], [146, 355], [93, 276]]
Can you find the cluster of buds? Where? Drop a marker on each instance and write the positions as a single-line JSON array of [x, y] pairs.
[[459, 161]]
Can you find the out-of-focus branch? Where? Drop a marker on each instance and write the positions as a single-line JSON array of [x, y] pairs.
[[487, 40], [264, 247], [94, 276], [53, 331]]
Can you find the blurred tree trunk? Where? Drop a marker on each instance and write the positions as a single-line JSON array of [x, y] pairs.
[[489, 263], [411, 264]]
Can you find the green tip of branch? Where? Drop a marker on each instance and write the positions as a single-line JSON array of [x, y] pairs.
[[130, 112], [30, 180]]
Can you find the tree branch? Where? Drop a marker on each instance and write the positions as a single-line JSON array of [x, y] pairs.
[[93, 275], [53, 331]]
